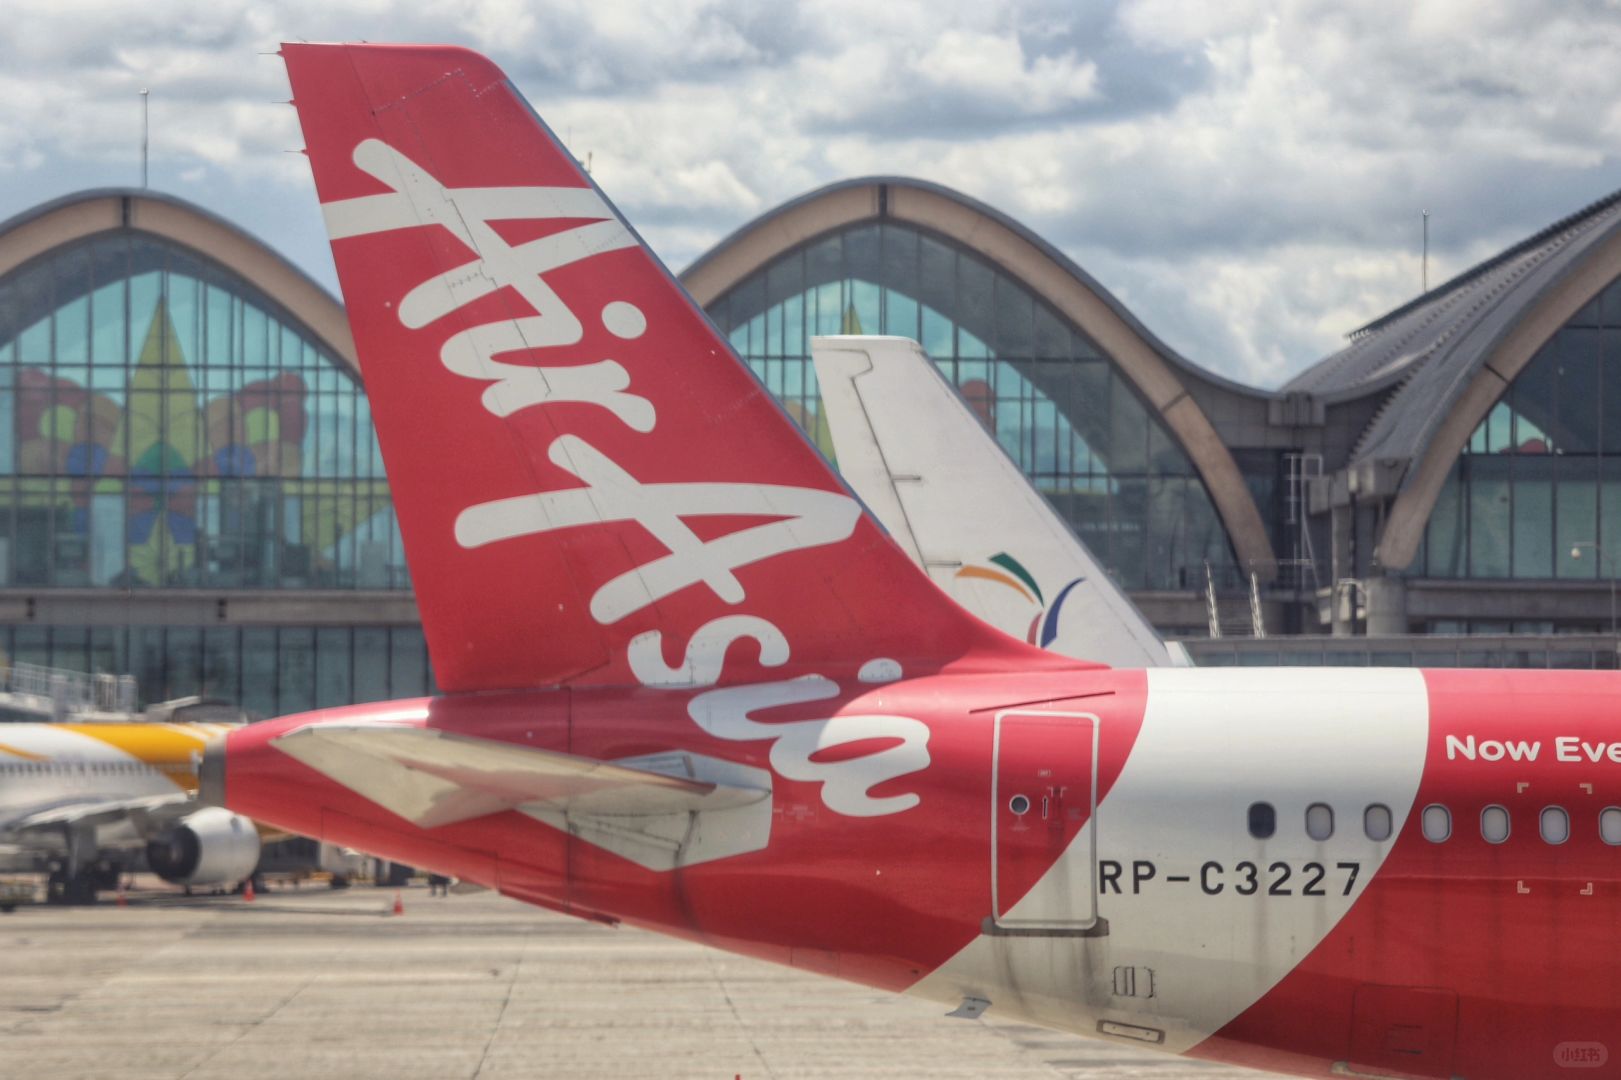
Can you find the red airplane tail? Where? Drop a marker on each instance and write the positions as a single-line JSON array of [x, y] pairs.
[[592, 488]]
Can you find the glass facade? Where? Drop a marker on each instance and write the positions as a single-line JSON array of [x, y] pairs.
[[1536, 493], [163, 424], [1056, 404], [1516, 648], [269, 670]]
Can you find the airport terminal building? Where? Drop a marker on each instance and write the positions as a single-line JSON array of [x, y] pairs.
[[190, 488]]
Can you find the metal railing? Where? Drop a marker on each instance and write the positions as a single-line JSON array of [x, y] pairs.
[[72, 692], [1222, 621]]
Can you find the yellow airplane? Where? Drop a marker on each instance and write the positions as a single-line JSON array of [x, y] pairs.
[[85, 802]]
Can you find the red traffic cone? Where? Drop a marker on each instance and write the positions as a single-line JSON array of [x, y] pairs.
[[399, 905], [247, 891]]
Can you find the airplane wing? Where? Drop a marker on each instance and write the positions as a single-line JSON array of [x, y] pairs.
[[432, 777], [939, 482], [144, 811]]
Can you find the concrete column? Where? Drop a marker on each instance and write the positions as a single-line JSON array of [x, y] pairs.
[[1341, 564], [1346, 595], [1387, 606], [1343, 602]]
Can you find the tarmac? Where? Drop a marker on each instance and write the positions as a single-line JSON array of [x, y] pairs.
[[319, 983]]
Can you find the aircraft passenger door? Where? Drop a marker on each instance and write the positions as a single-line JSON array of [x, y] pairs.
[[1043, 836]]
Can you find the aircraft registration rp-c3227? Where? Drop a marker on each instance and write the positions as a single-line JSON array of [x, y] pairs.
[[690, 685]]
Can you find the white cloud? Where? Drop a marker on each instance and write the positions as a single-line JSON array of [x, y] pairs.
[[1246, 176], [995, 66]]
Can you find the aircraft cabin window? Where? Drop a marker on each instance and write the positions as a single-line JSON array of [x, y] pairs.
[[1494, 824], [1555, 825], [1437, 823], [1609, 825], [1377, 822], [1263, 820], [1319, 821]]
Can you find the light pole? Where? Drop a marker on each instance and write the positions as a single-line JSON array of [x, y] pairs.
[[145, 98], [1576, 553]]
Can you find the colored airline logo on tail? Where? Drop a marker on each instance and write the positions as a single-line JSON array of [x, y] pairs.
[[1007, 571]]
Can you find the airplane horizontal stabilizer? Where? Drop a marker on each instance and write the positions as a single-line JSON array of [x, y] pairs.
[[432, 777]]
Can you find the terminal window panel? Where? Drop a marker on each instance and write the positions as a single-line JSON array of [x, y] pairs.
[[1053, 401], [269, 670], [162, 424], [1536, 492]]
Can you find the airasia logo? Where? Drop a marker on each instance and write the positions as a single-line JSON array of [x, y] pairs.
[[800, 517], [726, 714]]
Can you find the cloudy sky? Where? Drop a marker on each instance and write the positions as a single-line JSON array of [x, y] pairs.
[[1247, 177]]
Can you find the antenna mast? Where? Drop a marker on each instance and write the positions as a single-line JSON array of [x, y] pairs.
[[1424, 259]]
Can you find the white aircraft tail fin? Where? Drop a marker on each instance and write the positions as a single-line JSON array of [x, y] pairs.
[[913, 450]]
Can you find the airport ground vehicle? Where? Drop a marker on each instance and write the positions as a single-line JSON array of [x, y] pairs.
[[15, 892]]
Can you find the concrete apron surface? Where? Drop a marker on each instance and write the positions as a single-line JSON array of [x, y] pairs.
[[315, 983]]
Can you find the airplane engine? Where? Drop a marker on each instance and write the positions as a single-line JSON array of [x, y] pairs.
[[210, 847]]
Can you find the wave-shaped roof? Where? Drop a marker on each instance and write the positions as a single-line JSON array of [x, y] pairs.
[[765, 221], [73, 217], [1427, 351]]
